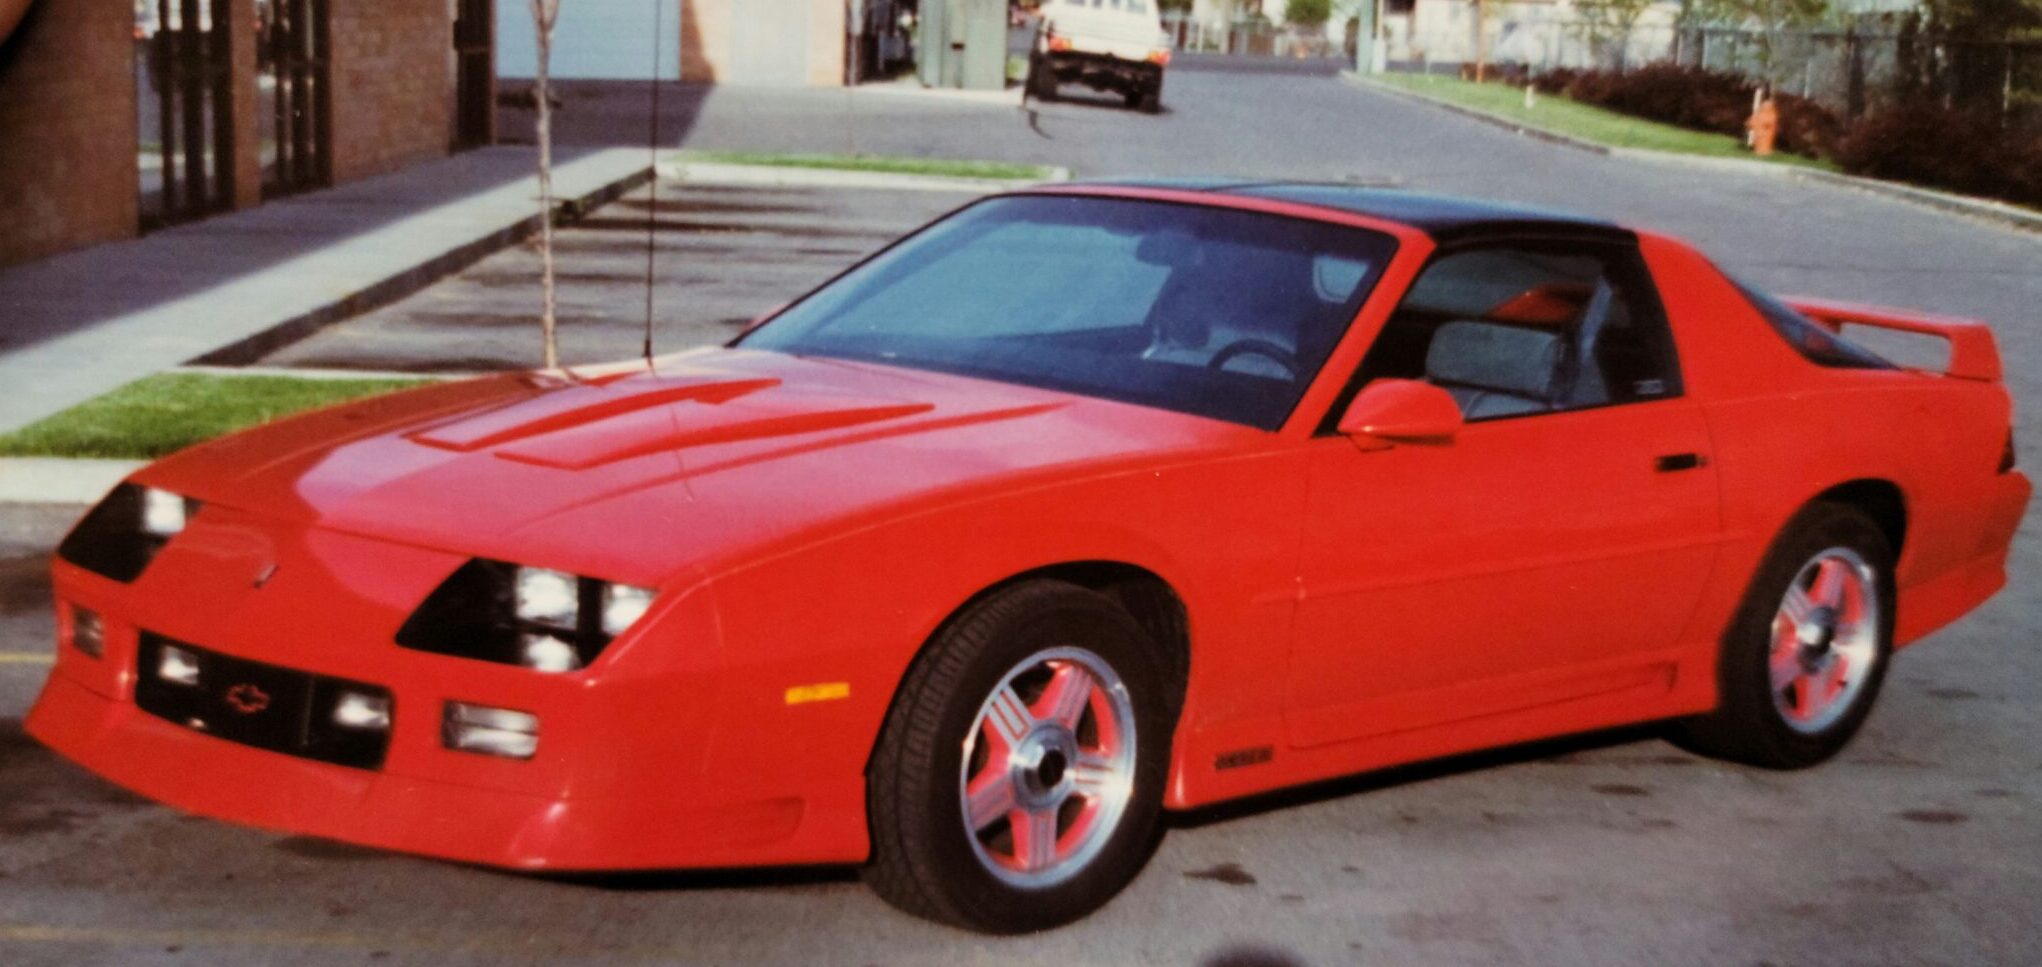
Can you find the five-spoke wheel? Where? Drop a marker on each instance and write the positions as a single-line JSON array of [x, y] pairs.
[[1825, 639], [1048, 767], [1805, 654], [1018, 779]]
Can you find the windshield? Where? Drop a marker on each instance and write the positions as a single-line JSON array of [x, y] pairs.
[[1207, 311]]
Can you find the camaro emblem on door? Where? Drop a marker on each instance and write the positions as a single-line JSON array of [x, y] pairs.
[[247, 699]]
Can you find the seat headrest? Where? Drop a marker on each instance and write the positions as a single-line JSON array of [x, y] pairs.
[[1504, 359]]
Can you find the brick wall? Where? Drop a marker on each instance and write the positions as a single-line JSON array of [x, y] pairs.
[[393, 86], [68, 171]]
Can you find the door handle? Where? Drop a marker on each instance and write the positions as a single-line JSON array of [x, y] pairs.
[[1676, 462]]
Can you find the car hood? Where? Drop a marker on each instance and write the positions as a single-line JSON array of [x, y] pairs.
[[634, 472]]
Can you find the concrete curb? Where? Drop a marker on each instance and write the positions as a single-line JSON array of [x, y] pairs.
[[292, 372], [58, 480], [777, 176], [1493, 120], [1006, 97], [2000, 213], [411, 280]]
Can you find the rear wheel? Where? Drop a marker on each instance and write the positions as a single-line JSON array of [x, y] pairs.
[[1147, 96], [1808, 650], [1018, 781]]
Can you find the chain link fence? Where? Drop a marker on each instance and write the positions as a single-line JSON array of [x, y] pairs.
[[1252, 38], [1850, 71]]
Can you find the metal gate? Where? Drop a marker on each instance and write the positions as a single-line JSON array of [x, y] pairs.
[[187, 144], [296, 106], [474, 73]]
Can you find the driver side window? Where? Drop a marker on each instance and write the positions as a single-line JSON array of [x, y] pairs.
[[1518, 330]]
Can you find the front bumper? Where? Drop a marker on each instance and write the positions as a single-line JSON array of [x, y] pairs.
[[625, 776]]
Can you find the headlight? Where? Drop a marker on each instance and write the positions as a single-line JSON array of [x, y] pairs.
[[542, 619], [121, 536]]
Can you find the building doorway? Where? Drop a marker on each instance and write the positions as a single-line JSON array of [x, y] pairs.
[[474, 73], [184, 93], [294, 105]]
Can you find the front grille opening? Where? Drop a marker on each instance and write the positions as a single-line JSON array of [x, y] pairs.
[[264, 706]]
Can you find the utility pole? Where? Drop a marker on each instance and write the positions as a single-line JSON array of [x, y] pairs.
[[545, 13], [1481, 39], [1368, 53]]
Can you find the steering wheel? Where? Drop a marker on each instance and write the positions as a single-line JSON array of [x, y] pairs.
[[1255, 347]]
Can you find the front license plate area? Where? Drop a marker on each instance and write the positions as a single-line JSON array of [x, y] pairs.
[[253, 703]]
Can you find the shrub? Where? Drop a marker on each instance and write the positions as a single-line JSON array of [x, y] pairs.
[[1691, 97], [1923, 142]]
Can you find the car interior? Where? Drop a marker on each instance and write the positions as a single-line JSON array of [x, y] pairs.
[[1510, 331]]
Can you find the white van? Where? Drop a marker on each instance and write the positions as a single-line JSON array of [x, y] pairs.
[[1108, 45]]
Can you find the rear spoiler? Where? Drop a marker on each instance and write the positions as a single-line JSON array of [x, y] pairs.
[[1973, 353]]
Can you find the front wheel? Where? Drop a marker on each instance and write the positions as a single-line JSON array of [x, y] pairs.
[[1018, 780], [1807, 651]]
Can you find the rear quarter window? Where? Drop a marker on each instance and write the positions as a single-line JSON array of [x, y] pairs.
[[1811, 339]]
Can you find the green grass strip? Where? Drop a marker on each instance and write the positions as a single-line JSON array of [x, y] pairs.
[[1559, 115], [167, 412], [942, 167]]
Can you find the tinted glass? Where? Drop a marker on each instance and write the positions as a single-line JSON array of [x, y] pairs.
[[1517, 330], [1809, 338], [1207, 311]]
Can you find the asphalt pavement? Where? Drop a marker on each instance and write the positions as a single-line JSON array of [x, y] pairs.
[[722, 255], [1920, 844]]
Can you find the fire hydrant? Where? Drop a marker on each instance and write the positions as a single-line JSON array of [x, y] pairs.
[[1764, 125]]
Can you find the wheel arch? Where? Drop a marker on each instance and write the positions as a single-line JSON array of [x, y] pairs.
[[1881, 500], [1153, 603]]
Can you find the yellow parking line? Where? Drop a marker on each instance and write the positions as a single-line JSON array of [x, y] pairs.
[[26, 658]]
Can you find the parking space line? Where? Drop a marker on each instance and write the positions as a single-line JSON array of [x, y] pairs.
[[26, 658]]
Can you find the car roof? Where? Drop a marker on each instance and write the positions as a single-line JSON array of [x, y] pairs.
[[1446, 218]]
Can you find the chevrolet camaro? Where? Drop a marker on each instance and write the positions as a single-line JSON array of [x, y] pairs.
[[1080, 505]]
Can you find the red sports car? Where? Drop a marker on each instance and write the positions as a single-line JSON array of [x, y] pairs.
[[1080, 504]]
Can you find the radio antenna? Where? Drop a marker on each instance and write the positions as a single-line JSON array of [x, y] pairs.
[[652, 200]]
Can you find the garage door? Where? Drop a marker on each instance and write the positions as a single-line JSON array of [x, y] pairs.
[[769, 42], [612, 39]]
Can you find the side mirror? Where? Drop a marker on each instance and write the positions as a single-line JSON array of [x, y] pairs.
[[1391, 411]]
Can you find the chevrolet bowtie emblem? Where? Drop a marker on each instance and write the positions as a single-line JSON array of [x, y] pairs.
[[247, 699]]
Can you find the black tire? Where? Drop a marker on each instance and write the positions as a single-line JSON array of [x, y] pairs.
[[1147, 98], [1748, 724], [923, 859], [1151, 101], [1041, 83]]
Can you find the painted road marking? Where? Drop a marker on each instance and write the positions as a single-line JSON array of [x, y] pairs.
[[26, 658]]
